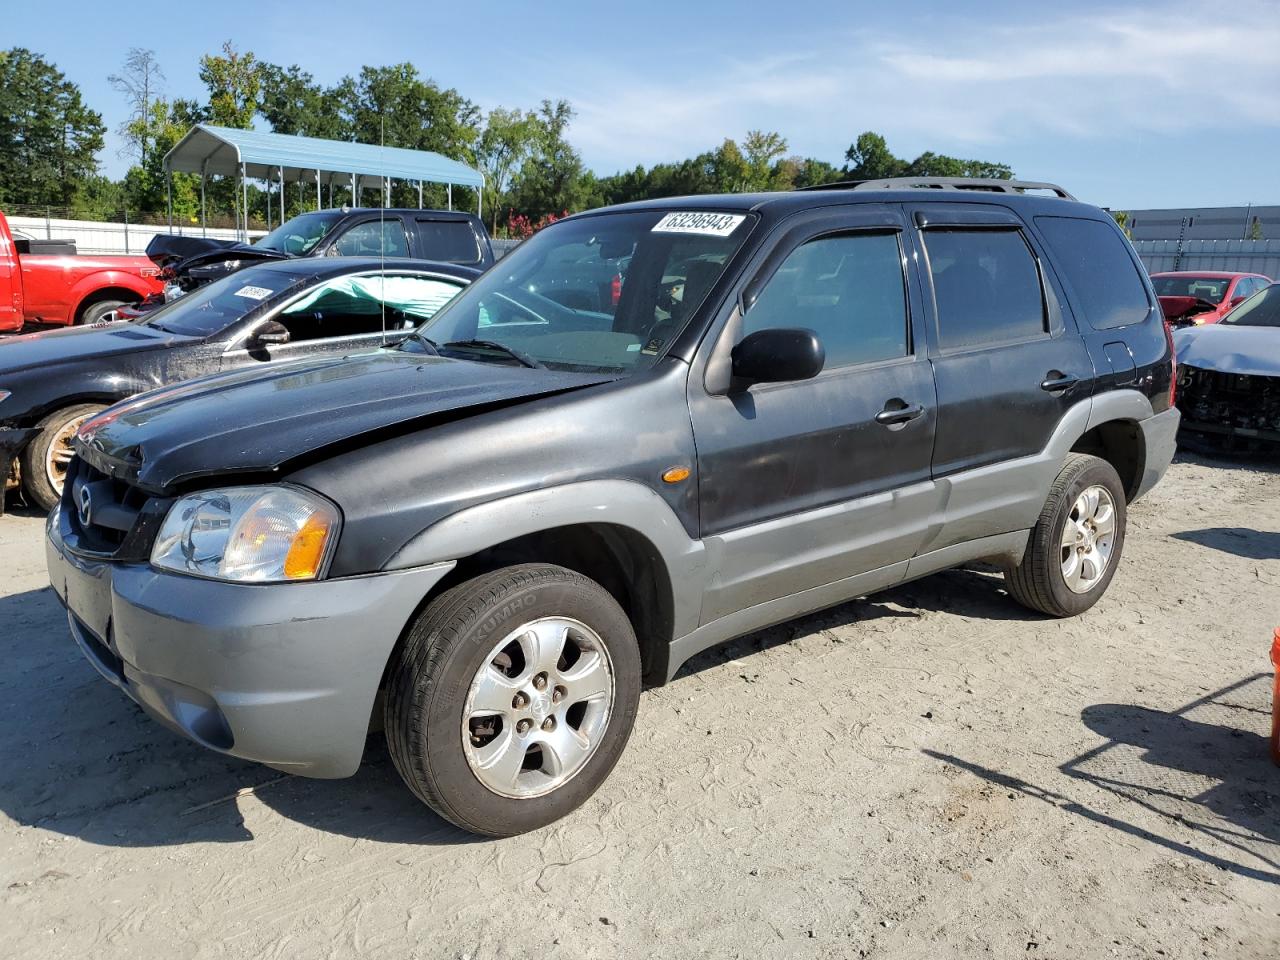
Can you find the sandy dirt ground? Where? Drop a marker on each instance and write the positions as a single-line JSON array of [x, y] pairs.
[[931, 772]]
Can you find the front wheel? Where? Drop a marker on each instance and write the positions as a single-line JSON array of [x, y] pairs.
[[101, 312], [1075, 546], [45, 459], [512, 698]]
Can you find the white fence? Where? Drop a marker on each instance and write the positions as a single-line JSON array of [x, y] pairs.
[[112, 238], [1243, 256]]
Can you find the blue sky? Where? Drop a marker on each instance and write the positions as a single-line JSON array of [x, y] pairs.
[[1163, 103]]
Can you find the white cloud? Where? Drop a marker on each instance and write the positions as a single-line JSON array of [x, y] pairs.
[[954, 83]]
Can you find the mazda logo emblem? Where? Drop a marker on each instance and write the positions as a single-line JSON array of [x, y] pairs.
[[84, 506]]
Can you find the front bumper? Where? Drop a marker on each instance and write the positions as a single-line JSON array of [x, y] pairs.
[[283, 674], [1160, 441]]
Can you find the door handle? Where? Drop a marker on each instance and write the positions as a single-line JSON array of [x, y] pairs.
[[1056, 380], [893, 416]]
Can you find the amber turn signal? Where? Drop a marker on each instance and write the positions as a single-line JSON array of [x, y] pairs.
[[307, 552], [675, 474]]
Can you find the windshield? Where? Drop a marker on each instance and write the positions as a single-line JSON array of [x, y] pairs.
[[601, 293], [298, 237], [1260, 310], [212, 308], [1211, 289]]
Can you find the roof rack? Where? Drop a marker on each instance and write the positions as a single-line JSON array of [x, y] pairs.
[[977, 184]]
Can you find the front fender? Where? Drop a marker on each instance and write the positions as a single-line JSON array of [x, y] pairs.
[[622, 503], [86, 287]]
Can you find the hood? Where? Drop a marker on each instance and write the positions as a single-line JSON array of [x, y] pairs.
[[167, 249], [243, 252], [257, 420], [34, 350], [1228, 348], [1175, 308]]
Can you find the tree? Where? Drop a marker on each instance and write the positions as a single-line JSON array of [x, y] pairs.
[[761, 150], [508, 139], [869, 158], [139, 84], [552, 179], [292, 102], [233, 81], [49, 139]]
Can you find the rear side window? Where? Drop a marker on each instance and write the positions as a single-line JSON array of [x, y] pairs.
[[450, 241], [847, 289], [1095, 263], [986, 285]]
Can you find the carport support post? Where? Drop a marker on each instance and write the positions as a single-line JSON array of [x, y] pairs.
[[168, 196], [448, 192], [204, 227], [319, 204], [282, 195], [419, 194], [480, 201], [268, 182], [244, 201], [355, 199]]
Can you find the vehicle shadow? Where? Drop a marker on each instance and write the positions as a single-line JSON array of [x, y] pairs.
[[1239, 541], [1197, 770], [1190, 451], [79, 758]]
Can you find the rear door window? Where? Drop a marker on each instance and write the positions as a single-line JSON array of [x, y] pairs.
[[449, 241], [847, 289], [373, 238], [986, 285], [361, 305], [1094, 261]]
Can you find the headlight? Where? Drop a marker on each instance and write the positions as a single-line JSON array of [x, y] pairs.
[[254, 534]]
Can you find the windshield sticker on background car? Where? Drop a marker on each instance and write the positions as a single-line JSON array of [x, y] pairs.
[[253, 293], [711, 224]]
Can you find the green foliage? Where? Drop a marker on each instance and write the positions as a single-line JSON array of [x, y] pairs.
[[1121, 217], [49, 139], [553, 179], [292, 102], [869, 158], [509, 138], [233, 81], [1255, 229]]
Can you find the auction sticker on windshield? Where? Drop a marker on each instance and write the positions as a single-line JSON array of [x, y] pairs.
[[253, 293], [711, 224]]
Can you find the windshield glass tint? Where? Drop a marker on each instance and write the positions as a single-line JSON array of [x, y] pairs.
[[600, 293], [209, 309], [299, 236], [1209, 289], [1261, 310]]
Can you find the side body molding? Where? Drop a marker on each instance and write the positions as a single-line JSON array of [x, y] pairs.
[[622, 503]]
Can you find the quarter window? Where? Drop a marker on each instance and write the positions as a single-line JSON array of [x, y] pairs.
[[848, 289], [373, 239], [452, 241], [1095, 262], [986, 286]]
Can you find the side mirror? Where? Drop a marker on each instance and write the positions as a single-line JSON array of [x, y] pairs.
[[779, 355], [270, 334]]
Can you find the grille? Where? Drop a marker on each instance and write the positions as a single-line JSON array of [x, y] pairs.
[[1230, 403], [113, 508]]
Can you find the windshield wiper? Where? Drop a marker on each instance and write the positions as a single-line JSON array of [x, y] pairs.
[[522, 358], [433, 348]]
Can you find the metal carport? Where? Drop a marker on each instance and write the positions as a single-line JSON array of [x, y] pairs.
[[228, 152]]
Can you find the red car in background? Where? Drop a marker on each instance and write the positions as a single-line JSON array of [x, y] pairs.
[[46, 281], [1196, 297]]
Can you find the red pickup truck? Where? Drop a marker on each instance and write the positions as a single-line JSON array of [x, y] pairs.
[[46, 281]]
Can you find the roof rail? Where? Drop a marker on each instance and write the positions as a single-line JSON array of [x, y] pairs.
[[977, 184]]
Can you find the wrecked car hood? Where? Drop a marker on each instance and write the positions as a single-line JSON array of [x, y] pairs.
[[39, 351], [1228, 348], [167, 249], [256, 421]]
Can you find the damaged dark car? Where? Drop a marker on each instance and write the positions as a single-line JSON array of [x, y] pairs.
[[1229, 378], [52, 382]]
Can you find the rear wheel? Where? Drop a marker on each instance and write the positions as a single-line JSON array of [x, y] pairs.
[[1075, 546], [512, 698], [44, 461]]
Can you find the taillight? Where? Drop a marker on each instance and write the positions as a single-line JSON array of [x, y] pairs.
[[1173, 363], [615, 289]]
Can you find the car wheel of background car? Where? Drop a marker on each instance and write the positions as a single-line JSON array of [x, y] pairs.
[[44, 460], [1075, 546], [512, 697], [97, 312]]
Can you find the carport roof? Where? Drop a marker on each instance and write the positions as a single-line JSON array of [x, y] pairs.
[[221, 150]]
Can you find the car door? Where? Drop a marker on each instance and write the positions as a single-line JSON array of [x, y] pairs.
[[1008, 363], [807, 483], [346, 314]]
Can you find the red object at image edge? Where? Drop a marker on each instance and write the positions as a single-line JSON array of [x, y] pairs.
[[1275, 699]]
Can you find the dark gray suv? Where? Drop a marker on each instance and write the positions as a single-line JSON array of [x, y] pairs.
[[490, 536]]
